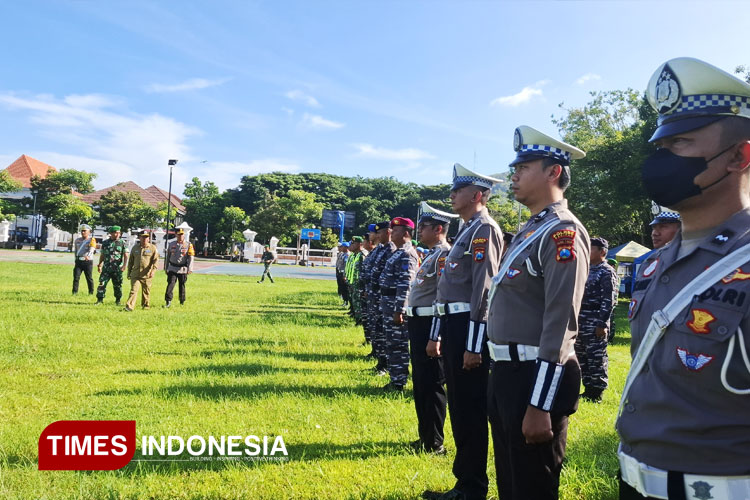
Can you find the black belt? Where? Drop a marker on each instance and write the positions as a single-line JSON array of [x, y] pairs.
[[388, 292]]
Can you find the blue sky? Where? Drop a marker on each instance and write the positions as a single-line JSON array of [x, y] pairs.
[[379, 88]]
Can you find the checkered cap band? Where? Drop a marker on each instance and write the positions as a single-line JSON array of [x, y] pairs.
[[470, 179], [435, 216], [709, 104], [546, 150], [666, 217]]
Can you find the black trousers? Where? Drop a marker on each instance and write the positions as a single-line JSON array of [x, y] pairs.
[[171, 279], [85, 267], [428, 378], [526, 471], [467, 404]]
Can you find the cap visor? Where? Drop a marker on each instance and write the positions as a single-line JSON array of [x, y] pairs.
[[684, 125]]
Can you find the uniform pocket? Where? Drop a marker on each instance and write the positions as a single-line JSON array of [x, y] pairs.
[[712, 321]]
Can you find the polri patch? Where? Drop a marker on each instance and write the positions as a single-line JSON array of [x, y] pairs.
[[631, 308], [738, 275], [693, 362], [564, 240], [441, 265], [650, 268], [479, 251], [700, 321]]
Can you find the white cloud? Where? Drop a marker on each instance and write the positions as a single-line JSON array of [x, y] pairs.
[[288, 111], [525, 95], [192, 84], [407, 154], [588, 76], [107, 139], [317, 122], [298, 95]]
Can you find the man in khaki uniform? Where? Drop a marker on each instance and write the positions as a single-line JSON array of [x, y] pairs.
[[685, 421], [534, 306], [141, 269], [462, 306], [178, 263]]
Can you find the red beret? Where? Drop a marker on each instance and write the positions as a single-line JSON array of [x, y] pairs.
[[402, 221]]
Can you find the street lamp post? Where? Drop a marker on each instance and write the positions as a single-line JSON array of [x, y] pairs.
[[171, 164], [36, 227]]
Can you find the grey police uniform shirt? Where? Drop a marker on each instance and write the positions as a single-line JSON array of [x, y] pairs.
[[469, 267], [679, 415], [179, 259], [398, 273], [539, 299], [424, 285]]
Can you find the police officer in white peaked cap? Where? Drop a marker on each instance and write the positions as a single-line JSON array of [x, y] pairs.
[[534, 304], [684, 419], [461, 304]]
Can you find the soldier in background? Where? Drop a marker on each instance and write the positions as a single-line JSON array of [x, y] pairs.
[[144, 258], [383, 230], [112, 261], [428, 375], [84, 247], [395, 279], [665, 227], [534, 303], [597, 308], [267, 259], [462, 306], [178, 263], [372, 245]]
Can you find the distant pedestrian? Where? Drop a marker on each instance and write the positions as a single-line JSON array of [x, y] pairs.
[[267, 259], [112, 261], [178, 263], [85, 246], [141, 269]]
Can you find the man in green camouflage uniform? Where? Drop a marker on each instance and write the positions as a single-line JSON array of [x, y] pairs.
[[112, 261]]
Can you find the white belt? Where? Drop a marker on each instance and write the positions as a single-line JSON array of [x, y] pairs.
[[452, 308], [500, 352], [419, 311], [652, 482]]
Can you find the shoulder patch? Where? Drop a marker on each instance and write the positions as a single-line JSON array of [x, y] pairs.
[[738, 275], [651, 268], [479, 252], [441, 265], [564, 240]]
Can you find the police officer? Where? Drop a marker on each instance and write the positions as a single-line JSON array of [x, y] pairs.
[[664, 227], [383, 230], [141, 269], [462, 305], [85, 246], [351, 276], [398, 272], [534, 304], [593, 322], [428, 375], [112, 261], [178, 263], [684, 426]]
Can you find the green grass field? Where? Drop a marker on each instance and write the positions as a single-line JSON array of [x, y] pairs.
[[239, 358]]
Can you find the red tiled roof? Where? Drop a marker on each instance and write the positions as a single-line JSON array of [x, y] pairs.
[[26, 167], [152, 196]]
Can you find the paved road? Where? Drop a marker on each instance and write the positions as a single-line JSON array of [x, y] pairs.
[[202, 266]]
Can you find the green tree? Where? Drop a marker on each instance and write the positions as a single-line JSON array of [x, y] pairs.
[[606, 193], [68, 212], [231, 224], [203, 204], [7, 185], [328, 239], [743, 71], [125, 209], [65, 181], [506, 214]]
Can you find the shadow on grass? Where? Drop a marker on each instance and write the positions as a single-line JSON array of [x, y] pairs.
[[235, 370], [282, 315], [298, 356], [256, 391]]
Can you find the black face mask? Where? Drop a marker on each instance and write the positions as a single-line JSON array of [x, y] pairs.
[[668, 178]]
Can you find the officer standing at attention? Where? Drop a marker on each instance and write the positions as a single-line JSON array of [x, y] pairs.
[[383, 229], [462, 306], [351, 276], [141, 269], [664, 227], [267, 259], [366, 286], [684, 423], [341, 259], [178, 263], [112, 261], [534, 304], [398, 272], [428, 375], [85, 246], [597, 307]]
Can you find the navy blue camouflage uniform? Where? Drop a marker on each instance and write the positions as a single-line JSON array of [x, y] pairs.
[[366, 290], [398, 272], [378, 333], [596, 311]]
